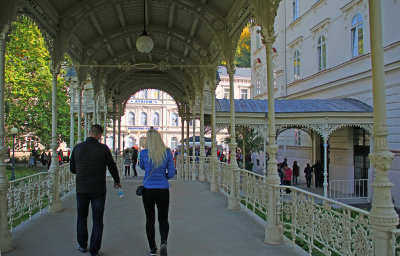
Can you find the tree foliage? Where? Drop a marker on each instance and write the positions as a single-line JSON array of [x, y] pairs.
[[28, 92], [242, 56], [253, 140]]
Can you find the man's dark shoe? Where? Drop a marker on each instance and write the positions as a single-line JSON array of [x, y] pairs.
[[153, 251], [81, 249], [163, 250]]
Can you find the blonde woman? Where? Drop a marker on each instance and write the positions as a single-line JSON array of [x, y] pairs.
[[157, 162]]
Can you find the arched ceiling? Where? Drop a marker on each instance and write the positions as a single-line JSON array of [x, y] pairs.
[[103, 33]]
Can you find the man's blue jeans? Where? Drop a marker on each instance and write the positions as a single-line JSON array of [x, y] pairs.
[[97, 200]]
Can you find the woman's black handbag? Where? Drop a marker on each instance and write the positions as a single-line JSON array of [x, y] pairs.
[[140, 189]]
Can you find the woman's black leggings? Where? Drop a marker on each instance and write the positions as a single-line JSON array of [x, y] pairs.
[[127, 170], [151, 198]]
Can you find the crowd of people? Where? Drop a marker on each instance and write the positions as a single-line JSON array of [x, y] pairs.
[[289, 176]]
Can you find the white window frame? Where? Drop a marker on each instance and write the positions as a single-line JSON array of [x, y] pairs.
[[154, 119], [143, 119], [227, 92], [174, 122], [131, 119], [321, 52], [357, 40], [243, 94], [295, 4], [296, 65]]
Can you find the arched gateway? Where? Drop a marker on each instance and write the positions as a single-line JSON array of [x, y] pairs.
[[185, 42]]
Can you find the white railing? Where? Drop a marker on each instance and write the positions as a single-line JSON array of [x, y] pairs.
[[26, 196], [348, 189], [253, 192], [29, 195], [224, 177], [396, 242], [179, 166], [325, 225]]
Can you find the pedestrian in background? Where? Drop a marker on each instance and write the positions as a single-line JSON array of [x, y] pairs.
[[295, 169], [308, 172], [287, 177], [127, 163]]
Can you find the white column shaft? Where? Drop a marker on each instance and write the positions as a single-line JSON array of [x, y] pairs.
[[79, 126], [325, 167], [72, 124], [5, 233]]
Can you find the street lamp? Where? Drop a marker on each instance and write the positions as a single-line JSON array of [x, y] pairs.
[[14, 131]]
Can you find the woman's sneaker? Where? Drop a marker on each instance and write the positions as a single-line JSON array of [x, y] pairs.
[[163, 250], [153, 251]]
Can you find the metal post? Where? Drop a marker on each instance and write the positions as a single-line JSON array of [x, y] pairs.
[[273, 231], [72, 125], [233, 198], [214, 160], [5, 233], [325, 167], [13, 160], [202, 175], [383, 217], [55, 200], [194, 145], [79, 125]]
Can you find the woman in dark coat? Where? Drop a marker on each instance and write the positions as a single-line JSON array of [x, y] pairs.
[[295, 173]]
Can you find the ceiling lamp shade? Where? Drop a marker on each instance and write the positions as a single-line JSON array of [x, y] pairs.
[[144, 43]]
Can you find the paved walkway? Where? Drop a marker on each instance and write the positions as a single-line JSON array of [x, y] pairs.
[[200, 225]]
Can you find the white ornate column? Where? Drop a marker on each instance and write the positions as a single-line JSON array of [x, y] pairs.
[[383, 217], [98, 121], [55, 200], [119, 131], [202, 175], [94, 110], [325, 167], [273, 230], [72, 123], [5, 233], [194, 143], [79, 127], [214, 159], [105, 125], [233, 197], [265, 136], [187, 163], [181, 171], [86, 116]]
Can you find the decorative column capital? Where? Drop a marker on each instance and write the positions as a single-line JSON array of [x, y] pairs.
[[381, 160]]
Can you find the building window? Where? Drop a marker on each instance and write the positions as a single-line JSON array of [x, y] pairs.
[[174, 119], [226, 93], [131, 119], [296, 65], [174, 143], [191, 123], [143, 94], [297, 137], [156, 119], [321, 49], [357, 36], [143, 119], [295, 9], [243, 94], [130, 142]]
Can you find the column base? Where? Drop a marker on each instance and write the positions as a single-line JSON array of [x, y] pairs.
[[6, 242], [56, 207], [213, 187], [273, 235], [202, 177], [233, 203]]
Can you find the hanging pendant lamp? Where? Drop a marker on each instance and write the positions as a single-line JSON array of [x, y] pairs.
[[144, 43]]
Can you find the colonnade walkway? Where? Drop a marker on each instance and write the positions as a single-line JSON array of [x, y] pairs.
[[200, 224]]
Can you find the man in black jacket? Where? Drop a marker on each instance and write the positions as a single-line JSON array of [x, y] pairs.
[[89, 161]]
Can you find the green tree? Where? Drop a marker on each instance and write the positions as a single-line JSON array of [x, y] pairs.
[[29, 86], [242, 56], [253, 140]]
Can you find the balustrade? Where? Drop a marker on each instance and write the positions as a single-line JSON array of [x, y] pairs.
[[29, 195], [253, 193], [396, 242], [323, 224]]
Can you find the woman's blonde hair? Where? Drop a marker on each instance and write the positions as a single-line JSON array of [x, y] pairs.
[[156, 147]]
